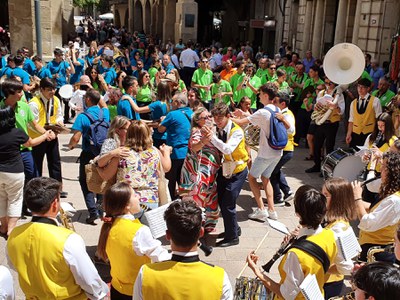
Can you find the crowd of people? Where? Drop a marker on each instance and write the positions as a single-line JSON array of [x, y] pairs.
[[143, 110]]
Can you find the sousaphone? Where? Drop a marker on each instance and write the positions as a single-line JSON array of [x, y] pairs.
[[343, 64]]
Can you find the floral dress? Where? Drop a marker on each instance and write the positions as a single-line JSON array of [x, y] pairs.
[[140, 170], [198, 178]]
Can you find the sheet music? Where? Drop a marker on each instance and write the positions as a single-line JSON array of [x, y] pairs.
[[310, 289], [154, 219], [278, 226], [349, 244]]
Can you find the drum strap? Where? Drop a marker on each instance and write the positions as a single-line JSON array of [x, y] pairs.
[[312, 249]]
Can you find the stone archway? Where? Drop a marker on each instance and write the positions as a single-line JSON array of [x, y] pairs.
[[169, 20], [147, 17], [117, 18], [126, 20], [160, 18], [138, 16], [153, 19]]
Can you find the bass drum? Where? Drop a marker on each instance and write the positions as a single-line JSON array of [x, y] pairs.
[[342, 163]]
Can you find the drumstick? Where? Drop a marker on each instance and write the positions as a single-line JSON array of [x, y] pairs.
[[258, 247]]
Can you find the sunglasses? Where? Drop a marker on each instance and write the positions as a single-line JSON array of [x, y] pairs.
[[205, 118], [273, 68]]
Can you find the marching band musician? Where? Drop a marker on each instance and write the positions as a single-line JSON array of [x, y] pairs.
[[184, 276], [310, 206], [230, 141], [363, 114], [51, 261], [379, 223], [124, 241], [326, 132], [340, 211]]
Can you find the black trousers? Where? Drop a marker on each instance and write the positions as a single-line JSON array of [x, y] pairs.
[[187, 74], [174, 176], [324, 133], [358, 139], [303, 119], [52, 152]]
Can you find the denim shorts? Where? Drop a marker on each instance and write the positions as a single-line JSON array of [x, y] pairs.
[[263, 166]]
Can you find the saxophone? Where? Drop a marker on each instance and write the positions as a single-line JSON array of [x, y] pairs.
[[66, 213], [377, 249]]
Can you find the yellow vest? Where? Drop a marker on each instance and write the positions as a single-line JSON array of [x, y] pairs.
[[309, 264], [240, 153], [290, 144], [383, 236], [364, 123], [172, 280], [383, 149], [336, 277], [42, 114], [36, 251], [125, 263]]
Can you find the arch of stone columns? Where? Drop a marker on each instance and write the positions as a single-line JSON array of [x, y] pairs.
[[160, 18], [126, 19], [169, 20], [138, 16], [147, 17], [153, 27], [117, 18]]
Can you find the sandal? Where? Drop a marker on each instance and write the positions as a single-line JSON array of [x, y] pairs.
[[310, 157]]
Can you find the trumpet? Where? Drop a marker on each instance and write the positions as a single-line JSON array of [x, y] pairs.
[[245, 81]]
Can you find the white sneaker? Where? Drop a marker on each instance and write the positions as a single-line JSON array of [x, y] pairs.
[[259, 214], [273, 215]]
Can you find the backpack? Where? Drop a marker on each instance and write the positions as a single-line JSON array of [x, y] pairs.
[[278, 137], [97, 132]]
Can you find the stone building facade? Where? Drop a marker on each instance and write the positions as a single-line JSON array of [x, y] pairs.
[[56, 22]]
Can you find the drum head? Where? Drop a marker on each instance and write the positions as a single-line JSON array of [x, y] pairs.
[[66, 91], [349, 168]]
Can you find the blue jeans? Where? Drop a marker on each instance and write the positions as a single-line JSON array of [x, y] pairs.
[[228, 191], [29, 165], [278, 179], [88, 195]]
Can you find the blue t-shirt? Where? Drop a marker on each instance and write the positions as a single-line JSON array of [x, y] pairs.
[[29, 66], [60, 69], [25, 79], [158, 109], [109, 75], [168, 68], [178, 127], [82, 124], [6, 71], [3, 62], [78, 72], [89, 60], [124, 109], [43, 73]]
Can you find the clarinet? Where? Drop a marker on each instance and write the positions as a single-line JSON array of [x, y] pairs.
[[281, 251]]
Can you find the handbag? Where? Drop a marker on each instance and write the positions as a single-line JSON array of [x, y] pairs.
[[164, 196], [95, 183]]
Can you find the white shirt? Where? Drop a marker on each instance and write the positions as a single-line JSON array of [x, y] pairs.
[[6, 284], [175, 61], [290, 288], [189, 58], [217, 58], [387, 213], [376, 105], [82, 268], [261, 119], [35, 109], [231, 142], [227, 293], [290, 120], [76, 101], [144, 244]]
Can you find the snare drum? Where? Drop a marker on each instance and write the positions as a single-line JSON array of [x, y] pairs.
[[342, 163], [247, 288]]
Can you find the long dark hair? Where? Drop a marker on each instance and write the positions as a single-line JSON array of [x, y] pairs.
[[389, 128], [392, 180], [7, 119], [115, 201]]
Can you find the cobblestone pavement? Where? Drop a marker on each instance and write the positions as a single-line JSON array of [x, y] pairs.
[[232, 259]]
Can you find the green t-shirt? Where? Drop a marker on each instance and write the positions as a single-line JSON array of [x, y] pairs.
[[23, 116], [234, 82], [311, 82], [113, 111], [182, 85], [385, 98], [261, 73], [298, 79], [289, 70], [366, 75], [222, 87], [152, 72], [268, 78], [202, 77], [284, 87], [256, 83], [144, 94]]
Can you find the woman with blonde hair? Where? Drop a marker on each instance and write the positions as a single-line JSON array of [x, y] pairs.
[[200, 167], [124, 241], [341, 210], [141, 168]]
